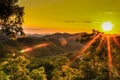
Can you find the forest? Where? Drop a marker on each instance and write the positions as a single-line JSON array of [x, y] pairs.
[[59, 56], [40, 64]]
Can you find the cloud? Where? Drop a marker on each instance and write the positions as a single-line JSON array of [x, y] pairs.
[[70, 21], [87, 22]]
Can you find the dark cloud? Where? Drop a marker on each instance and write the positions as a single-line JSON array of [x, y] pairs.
[[87, 22], [70, 21]]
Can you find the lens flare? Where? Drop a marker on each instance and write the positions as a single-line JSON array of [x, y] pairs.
[[101, 41], [41, 45], [26, 50], [85, 47], [37, 46], [63, 41], [116, 41], [109, 57]]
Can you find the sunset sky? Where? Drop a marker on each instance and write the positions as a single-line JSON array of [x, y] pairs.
[[50, 16]]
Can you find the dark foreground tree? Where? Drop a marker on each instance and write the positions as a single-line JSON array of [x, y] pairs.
[[11, 18]]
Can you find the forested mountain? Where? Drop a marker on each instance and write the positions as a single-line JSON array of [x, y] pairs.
[[58, 44], [61, 57]]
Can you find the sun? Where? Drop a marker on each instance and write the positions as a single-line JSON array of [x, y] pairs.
[[107, 26]]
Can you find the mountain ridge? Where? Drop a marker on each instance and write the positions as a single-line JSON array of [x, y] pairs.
[[59, 43]]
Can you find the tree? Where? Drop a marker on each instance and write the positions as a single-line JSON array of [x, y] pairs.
[[3, 76], [38, 74], [14, 69], [11, 18]]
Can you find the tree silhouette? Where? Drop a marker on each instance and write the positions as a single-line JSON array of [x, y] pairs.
[[11, 18]]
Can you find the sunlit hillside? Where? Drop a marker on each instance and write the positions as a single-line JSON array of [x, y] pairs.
[[80, 56]]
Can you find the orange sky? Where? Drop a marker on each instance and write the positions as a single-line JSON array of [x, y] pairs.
[[50, 16]]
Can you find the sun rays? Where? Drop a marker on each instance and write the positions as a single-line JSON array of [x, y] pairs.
[[116, 41], [101, 41], [102, 37], [85, 47], [109, 57]]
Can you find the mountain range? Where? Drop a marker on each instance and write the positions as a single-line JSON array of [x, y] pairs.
[[59, 43]]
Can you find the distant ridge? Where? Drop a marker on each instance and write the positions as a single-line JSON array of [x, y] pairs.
[[36, 35], [59, 43]]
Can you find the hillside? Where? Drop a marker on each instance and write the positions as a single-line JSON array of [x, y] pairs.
[[58, 44], [54, 57]]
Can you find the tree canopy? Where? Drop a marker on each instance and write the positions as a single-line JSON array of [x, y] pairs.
[[11, 18]]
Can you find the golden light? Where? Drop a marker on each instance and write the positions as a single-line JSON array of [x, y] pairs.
[[34, 47], [85, 48], [107, 26]]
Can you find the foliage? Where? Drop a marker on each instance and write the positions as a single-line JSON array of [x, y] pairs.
[[91, 65], [95, 61], [38, 74], [6, 51], [15, 69], [11, 18], [3, 76]]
